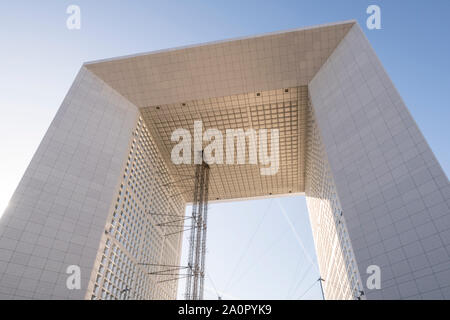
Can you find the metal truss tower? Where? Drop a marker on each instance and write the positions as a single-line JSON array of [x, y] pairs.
[[197, 241]]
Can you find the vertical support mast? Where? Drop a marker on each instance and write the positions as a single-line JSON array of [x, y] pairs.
[[197, 244], [204, 231], [189, 279]]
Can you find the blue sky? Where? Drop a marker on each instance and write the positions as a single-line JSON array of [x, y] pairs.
[[40, 57], [253, 253]]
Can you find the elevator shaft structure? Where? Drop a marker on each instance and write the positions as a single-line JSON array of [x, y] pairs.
[[197, 239]]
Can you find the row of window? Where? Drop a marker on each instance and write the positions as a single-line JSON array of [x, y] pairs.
[[333, 242], [133, 235]]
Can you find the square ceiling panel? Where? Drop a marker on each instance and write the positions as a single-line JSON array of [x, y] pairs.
[[282, 109]]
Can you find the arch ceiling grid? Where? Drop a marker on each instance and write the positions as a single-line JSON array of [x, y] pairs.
[[275, 109], [218, 84]]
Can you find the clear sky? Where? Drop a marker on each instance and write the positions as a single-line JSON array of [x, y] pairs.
[[39, 58]]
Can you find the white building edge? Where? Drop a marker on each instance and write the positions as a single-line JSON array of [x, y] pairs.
[[95, 190]]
